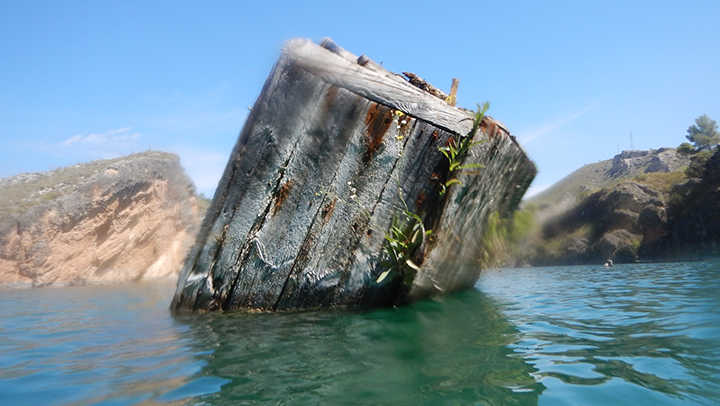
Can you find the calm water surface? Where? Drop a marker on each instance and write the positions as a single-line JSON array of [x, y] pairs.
[[632, 334]]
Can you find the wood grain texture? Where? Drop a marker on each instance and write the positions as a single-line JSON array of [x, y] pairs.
[[379, 86], [324, 163]]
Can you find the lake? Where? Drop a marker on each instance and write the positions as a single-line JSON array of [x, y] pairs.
[[628, 335]]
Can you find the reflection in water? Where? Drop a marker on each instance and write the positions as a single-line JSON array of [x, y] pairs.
[[445, 352], [90, 345], [628, 335], [636, 333]]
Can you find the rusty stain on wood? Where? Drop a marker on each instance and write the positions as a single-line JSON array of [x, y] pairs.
[[420, 198], [282, 195], [489, 127], [378, 122], [449, 141], [330, 97]]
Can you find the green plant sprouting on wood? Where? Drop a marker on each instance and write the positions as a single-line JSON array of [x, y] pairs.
[[406, 236], [402, 241], [456, 150]]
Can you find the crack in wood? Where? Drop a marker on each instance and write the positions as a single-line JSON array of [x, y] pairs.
[[254, 230]]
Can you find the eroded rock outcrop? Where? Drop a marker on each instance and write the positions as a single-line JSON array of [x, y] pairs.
[[611, 223], [631, 221], [105, 221], [628, 163], [593, 177], [693, 228]]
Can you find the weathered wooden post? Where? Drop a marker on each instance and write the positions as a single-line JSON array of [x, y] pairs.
[[335, 151]]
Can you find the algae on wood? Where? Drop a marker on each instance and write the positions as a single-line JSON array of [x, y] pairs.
[[333, 150]]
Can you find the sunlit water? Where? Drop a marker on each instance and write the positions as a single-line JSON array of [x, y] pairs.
[[629, 335]]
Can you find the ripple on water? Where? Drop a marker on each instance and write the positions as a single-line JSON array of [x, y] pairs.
[[632, 334], [91, 345], [637, 333]]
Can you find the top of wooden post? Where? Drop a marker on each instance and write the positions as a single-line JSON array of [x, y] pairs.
[[364, 77]]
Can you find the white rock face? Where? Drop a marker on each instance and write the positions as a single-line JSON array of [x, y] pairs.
[[113, 221]]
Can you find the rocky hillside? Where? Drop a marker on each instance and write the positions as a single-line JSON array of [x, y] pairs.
[[104, 221], [693, 227], [623, 166], [639, 206]]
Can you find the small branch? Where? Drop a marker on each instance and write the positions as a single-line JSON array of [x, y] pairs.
[[452, 99]]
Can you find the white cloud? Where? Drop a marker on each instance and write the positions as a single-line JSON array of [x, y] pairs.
[[111, 138], [72, 140], [190, 126], [528, 135]]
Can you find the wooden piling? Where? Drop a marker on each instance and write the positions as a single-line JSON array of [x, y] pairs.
[[334, 150]]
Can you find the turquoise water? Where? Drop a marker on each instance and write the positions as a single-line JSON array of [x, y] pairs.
[[632, 334]]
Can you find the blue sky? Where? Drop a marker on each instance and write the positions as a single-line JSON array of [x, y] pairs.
[[85, 80]]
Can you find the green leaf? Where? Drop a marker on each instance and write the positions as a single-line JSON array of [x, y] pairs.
[[451, 181], [413, 215], [382, 276], [413, 265], [414, 237], [469, 166]]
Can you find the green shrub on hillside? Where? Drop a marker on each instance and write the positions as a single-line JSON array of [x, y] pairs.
[[562, 245], [697, 164], [704, 134], [686, 148]]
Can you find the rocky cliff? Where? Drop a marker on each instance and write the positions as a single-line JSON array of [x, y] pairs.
[[649, 209], [611, 223], [105, 221], [623, 166], [693, 226]]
